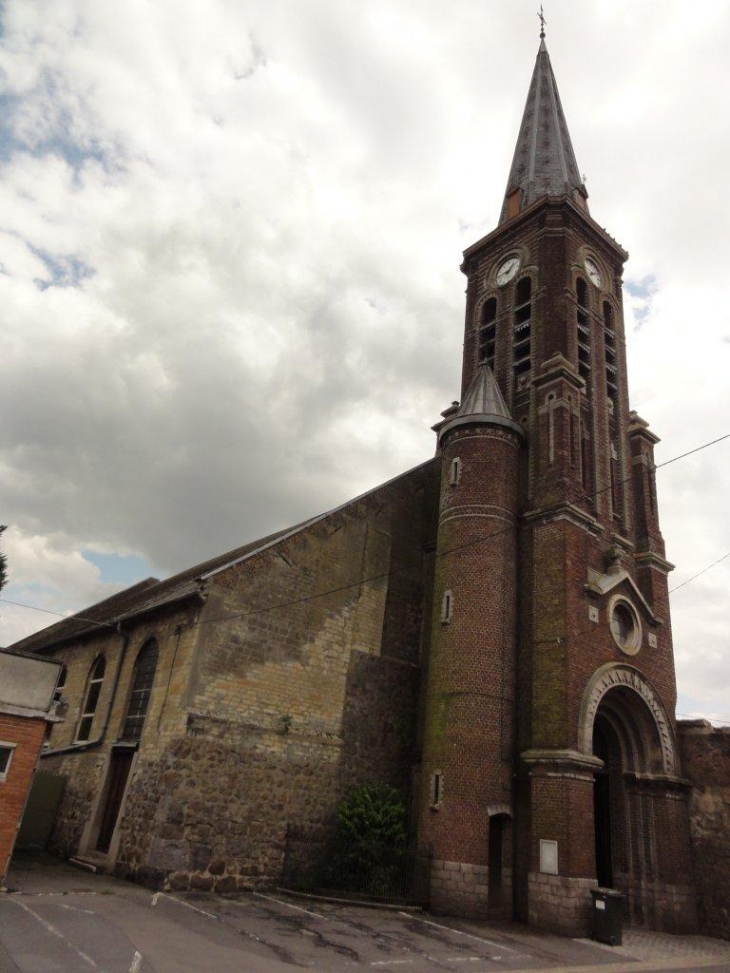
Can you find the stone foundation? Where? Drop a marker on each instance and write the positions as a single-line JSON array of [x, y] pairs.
[[458, 888], [560, 904], [658, 905], [461, 889]]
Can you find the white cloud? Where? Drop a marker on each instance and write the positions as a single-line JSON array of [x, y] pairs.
[[270, 201]]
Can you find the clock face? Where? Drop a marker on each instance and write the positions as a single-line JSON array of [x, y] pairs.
[[508, 269], [592, 270]]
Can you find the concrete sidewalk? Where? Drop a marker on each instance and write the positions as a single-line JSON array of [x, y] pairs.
[[62, 920]]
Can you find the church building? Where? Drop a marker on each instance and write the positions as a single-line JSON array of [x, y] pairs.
[[488, 632]]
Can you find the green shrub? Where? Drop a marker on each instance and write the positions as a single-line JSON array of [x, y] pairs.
[[372, 816], [370, 843]]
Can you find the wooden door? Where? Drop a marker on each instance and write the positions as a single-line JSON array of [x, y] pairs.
[[119, 767]]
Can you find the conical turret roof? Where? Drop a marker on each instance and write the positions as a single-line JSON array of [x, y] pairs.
[[483, 403], [544, 163]]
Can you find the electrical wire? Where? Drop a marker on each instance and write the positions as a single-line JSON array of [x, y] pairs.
[[452, 550], [395, 571], [78, 618], [723, 558]]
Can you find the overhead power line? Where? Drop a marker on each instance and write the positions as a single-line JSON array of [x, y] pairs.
[[48, 611], [723, 558], [394, 571]]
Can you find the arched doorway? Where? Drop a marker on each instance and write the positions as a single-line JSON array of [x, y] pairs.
[[638, 799], [626, 739]]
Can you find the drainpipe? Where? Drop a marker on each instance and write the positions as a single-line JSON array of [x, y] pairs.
[[88, 744]]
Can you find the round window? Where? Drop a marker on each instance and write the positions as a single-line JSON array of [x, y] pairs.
[[625, 627]]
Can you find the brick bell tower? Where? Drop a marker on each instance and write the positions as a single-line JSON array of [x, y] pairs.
[[549, 760]]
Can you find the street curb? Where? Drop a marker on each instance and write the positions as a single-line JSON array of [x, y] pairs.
[[335, 900]]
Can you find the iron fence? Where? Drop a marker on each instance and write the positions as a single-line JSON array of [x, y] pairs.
[[371, 873]]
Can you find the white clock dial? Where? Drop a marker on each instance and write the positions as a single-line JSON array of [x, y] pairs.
[[592, 270], [508, 269]]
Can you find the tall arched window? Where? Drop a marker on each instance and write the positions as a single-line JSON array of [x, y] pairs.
[[91, 699], [522, 325], [60, 685], [142, 679], [584, 334], [488, 332], [57, 696]]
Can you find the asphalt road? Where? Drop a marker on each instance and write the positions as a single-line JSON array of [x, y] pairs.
[[68, 922]]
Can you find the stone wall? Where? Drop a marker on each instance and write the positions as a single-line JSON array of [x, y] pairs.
[[291, 705], [83, 765], [215, 810], [561, 904], [706, 763], [298, 677]]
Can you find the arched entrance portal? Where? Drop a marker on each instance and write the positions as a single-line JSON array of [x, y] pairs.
[[640, 812], [626, 739]]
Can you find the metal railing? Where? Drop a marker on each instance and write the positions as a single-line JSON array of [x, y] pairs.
[[371, 873]]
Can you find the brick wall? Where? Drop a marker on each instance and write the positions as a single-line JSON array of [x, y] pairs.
[[27, 734]]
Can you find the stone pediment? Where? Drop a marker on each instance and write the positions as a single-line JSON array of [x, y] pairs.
[[602, 584]]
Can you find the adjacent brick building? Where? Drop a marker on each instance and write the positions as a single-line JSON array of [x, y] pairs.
[[489, 632], [27, 709]]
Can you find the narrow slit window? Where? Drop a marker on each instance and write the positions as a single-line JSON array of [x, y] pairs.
[[91, 699], [447, 607], [139, 699], [437, 787], [455, 471]]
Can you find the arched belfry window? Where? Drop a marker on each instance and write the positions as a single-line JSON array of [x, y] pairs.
[[610, 345], [488, 332], [139, 698], [522, 326], [91, 698], [583, 324]]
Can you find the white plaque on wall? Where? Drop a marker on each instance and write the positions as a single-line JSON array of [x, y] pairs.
[[548, 857]]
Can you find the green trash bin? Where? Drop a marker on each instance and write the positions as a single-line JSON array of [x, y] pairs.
[[608, 907]]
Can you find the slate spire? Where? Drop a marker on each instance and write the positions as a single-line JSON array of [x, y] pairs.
[[483, 404], [544, 162], [483, 397]]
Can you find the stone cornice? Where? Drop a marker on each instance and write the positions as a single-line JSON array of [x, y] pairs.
[[563, 511], [652, 560], [557, 762], [503, 233]]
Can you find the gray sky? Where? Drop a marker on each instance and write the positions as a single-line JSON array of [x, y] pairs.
[[230, 237]]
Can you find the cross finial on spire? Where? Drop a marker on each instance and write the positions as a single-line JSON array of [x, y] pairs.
[[541, 15]]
